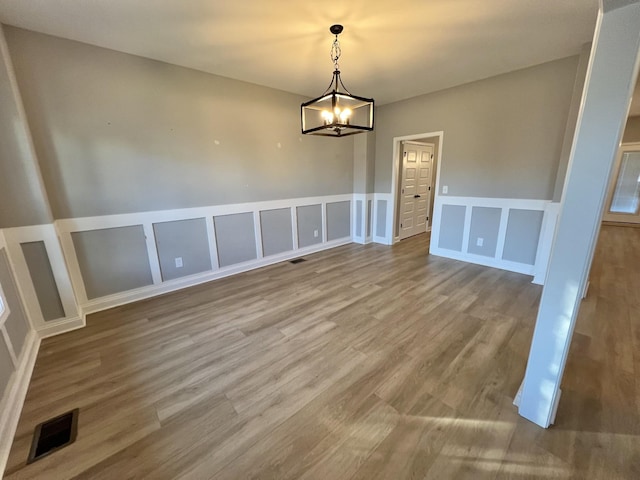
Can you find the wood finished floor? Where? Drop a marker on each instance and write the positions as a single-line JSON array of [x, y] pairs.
[[364, 362]]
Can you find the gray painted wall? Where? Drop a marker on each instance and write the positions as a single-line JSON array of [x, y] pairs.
[[185, 239], [21, 198], [277, 231], [309, 222], [338, 220], [364, 150], [17, 324], [116, 133], [632, 130], [358, 226], [235, 238], [485, 223], [44, 283], [452, 227], [523, 231], [112, 260], [503, 135]]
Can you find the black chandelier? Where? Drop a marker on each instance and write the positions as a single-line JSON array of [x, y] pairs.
[[337, 113]]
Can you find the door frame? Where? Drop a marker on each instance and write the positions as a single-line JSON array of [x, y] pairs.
[[618, 217], [395, 173], [401, 166]]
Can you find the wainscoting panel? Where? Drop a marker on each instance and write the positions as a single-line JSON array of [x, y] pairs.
[[359, 213], [13, 322], [236, 238], [496, 232], [523, 234], [45, 325], [382, 215], [218, 241], [451, 233], [310, 231], [484, 231], [113, 260], [338, 220], [183, 247], [277, 231], [18, 350], [39, 265], [7, 366], [547, 232], [362, 219]]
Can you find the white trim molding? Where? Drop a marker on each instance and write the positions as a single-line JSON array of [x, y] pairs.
[[13, 399], [395, 173], [366, 218], [14, 238], [387, 226], [504, 204], [547, 233], [66, 227], [122, 298]]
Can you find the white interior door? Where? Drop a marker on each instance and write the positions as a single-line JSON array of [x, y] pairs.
[[415, 189], [623, 201]]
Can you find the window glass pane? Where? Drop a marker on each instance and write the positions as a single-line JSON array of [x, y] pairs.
[[626, 197]]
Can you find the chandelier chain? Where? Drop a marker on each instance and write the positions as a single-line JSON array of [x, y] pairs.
[[335, 53]]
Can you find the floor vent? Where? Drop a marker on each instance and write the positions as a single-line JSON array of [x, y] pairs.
[[297, 260], [54, 434]]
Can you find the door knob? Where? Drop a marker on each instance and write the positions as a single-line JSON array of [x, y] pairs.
[[416, 196]]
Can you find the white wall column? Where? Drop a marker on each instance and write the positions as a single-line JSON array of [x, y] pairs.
[[610, 80]]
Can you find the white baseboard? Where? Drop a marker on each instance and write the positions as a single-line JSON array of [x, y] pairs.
[[137, 294], [382, 240], [15, 395], [486, 261], [63, 325]]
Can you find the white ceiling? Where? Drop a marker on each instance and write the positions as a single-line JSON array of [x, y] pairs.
[[391, 49]]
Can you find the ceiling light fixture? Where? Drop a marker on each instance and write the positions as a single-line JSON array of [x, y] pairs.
[[337, 113]]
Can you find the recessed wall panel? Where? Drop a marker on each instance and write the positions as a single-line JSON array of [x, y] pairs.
[[309, 225], [112, 260], [358, 218], [16, 324], [236, 238], [369, 218], [523, 234], [44, 283], [452, 227], [183, 247], [6, 367], [277, 231], [338, 220], [485, 223], [381, 219]]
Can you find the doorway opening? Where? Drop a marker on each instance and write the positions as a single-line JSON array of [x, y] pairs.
[[415, 180], [623, 198]]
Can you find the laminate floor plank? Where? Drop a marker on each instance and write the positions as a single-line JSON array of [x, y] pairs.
[[363, 362]]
